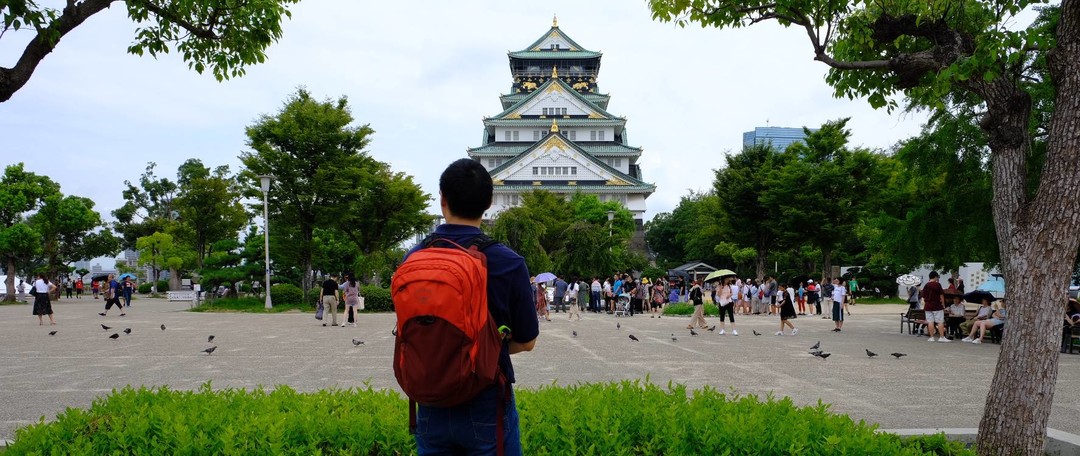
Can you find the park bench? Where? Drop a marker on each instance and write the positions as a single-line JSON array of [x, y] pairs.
[[912, 318]]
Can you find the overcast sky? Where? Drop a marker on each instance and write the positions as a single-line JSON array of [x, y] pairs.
[[423, 74]]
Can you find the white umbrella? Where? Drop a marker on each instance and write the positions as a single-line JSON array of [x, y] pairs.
[[908, 280]]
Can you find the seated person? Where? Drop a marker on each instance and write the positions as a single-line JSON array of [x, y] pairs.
[[954, 316], [984, 313], [998, 318], [1072, 312]]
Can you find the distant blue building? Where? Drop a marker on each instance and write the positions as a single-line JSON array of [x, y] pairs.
[[779, 137]]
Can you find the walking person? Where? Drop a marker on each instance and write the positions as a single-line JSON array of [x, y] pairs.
[[594, 295], [560, 294], [572, 292], [128, 290], [658, 296], [351, 292], [787, 311], [542, 302], [724, 296], [111, 294], [78, 288], [697, 298], [22, 290], [69, 288], [838, 307], [42, 303], [95, 286], [801, 296], [330, 299]]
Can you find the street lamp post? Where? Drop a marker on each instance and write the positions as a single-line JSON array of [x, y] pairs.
[[264, 183]]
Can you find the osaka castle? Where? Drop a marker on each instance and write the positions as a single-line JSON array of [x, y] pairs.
[[555, 132]]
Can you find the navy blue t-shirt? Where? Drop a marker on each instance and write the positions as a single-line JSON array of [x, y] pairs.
[[509, 293]]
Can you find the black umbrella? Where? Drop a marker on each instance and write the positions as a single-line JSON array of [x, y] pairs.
[[678, 273], [99, 277], [978, 296]]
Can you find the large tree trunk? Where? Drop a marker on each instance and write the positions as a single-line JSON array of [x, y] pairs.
[[759, 262], [826, 264], [9, 282], [1038, 238]]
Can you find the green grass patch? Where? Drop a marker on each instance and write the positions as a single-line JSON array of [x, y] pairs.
[[682, 308], [627, 418], [249, 305], [13, 303], [869, 300]]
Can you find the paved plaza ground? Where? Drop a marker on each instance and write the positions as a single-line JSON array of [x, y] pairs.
[[936, 385]]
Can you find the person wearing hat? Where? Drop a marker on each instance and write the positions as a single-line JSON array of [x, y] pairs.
[[813, 297]]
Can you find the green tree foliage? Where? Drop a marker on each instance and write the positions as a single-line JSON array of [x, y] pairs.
[[823, 190], [325, 180], [225, 37], [209, 208], [71, 230], [159, 251], [947, 54], [744, 216], [937, 209], [20, 192], [571, 236], [688, 233], [148, 208]]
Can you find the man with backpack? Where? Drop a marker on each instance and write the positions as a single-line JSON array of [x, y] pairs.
[[452, 352]]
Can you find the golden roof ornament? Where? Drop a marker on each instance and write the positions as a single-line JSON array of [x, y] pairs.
[[555, 21], [554, 126]]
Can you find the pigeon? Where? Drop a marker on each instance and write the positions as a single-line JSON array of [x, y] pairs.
[[106, 327], [673, 338], [824, 355], [357, 342], [816, 346], [713, 328], [755, 332], [870, 353], [162, 327], [114, 336], [633, 338], [52, 333], [127, 330], [575, 333], [899, 355], [693, 333], [816, 352], [210, 339], [210, 350], [618, 325]]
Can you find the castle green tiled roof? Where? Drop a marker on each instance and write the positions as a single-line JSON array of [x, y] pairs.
[[554, 55], [632, 181], [596, 149], [544, 88]]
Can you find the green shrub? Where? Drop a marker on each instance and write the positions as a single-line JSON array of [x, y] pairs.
[[285, 293], [249, 304], [376, 299], [626, 418], [687, 309], [144, 288], [162, 286]]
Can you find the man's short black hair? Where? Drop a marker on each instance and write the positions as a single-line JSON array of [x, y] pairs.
[[467, 187], [933, 275]]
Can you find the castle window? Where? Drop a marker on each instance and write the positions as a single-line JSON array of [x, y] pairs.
[[601, 135], [592, 135], [491, 163], [515, 135], [573, 171], [506, 135], [573, 135], [543, 171], [545, 111], [536, 135], [536, 170]]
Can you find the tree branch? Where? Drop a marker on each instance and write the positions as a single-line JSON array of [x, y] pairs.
[[14, 78], [205, 33]]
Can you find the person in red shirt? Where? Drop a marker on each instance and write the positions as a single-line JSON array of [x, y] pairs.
[[78, 288], [934, 304]]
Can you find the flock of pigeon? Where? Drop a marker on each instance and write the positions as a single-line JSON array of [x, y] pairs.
[[116, 336], [814, 350]]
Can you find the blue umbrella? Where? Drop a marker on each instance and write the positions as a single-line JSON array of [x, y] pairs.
[[125, 275], [545, 277], [995, 285]]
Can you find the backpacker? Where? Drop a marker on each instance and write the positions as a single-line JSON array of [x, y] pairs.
[[448, 345]]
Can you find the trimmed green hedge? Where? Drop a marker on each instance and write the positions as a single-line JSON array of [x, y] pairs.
[[144, 288], [376, 299], [627, 418], [285, 294], [687, 309]]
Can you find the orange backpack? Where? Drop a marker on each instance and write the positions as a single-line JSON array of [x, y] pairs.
[[448, 345]]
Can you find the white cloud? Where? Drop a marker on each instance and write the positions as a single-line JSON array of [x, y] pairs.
[[423, 74]]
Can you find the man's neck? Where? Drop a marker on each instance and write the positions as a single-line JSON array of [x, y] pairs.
[[452, 219]]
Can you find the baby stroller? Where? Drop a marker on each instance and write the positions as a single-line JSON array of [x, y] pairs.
[[622, 305]]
